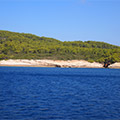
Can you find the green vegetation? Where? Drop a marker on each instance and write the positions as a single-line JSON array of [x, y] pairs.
[[28, 46]]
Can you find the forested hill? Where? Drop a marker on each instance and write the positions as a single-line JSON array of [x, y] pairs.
[[28, 46]]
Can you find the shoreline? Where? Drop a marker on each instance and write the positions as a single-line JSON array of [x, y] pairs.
[[43, 66], [50, 63], [54, 63], [4, 65]]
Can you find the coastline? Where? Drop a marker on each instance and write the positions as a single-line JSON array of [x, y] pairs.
[[54, 63], [50, 63]]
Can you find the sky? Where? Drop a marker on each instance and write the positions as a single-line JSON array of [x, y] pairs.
[[65, 20]]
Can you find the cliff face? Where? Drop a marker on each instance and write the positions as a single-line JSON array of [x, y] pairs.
[[51, 63]]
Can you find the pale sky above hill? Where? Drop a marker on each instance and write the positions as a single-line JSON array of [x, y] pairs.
[[66, 20]]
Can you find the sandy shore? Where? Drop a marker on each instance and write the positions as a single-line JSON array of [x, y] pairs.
[[51, 63]]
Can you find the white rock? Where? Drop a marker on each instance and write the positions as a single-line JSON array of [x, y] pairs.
[[115, 65], [53, 63]]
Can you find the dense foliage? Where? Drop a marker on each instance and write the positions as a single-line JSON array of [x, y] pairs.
[[28, 46]]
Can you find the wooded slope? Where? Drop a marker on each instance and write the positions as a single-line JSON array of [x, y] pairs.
[[28, 46]]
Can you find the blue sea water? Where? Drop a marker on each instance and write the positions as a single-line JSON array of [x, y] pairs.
[[33, 93]]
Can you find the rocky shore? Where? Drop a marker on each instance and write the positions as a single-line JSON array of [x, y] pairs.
[[55, 63], [51, 63], [115, 65]]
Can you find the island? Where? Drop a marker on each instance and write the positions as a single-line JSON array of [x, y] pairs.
[[24, 49]]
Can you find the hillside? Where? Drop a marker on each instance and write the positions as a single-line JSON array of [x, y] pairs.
[[28, 46]]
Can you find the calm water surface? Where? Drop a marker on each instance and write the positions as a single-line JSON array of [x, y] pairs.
[[28, 93]]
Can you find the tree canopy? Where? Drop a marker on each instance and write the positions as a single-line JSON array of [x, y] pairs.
[[28, 46]]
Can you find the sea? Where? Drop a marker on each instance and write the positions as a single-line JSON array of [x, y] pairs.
[[36, 93]]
